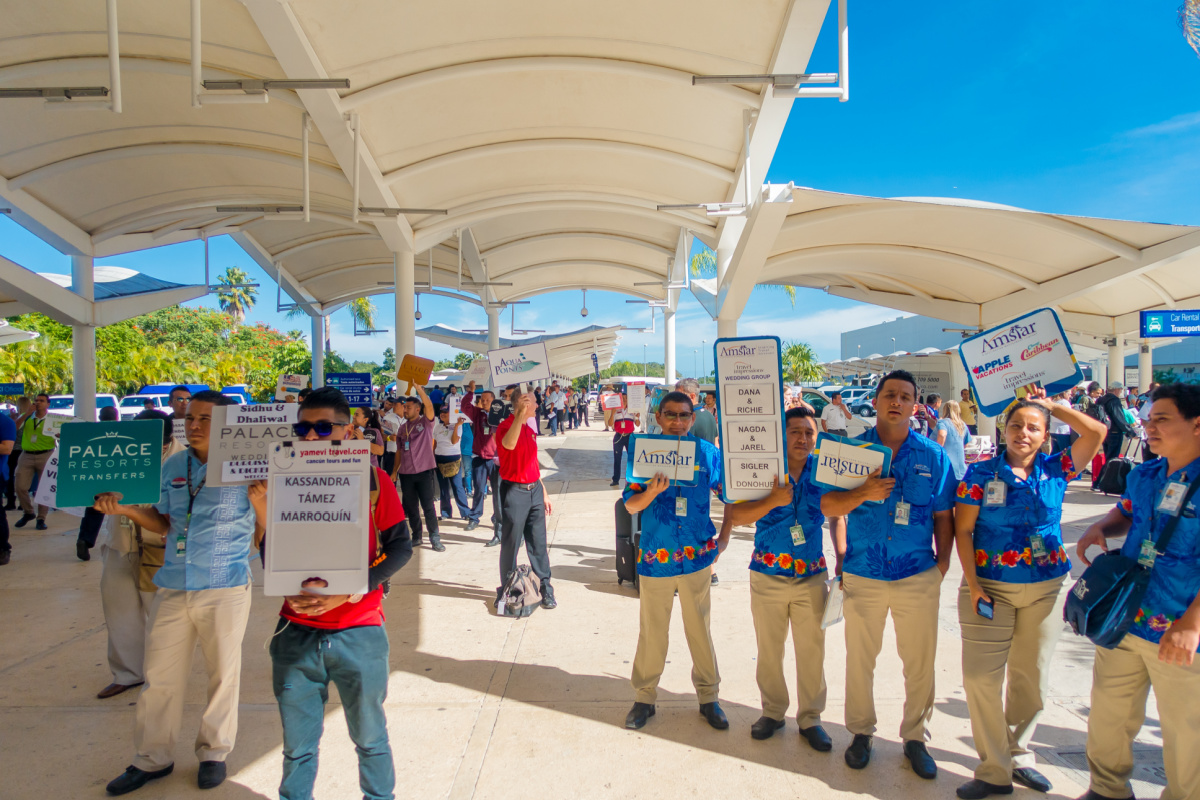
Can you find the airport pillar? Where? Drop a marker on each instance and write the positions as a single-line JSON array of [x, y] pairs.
[[669, 345], [318, 352], [404, 265], [1116, 360], [726, 328], [83, 342], [1145, 366], [493, 315]]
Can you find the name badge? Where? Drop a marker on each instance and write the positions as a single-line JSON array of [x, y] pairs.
[[1038, 546], [487, 430], [180, 545], [1148, 554], [1172, 498], [902, 512], [406, 446], [797, 535], [996, 493], [681, 506]]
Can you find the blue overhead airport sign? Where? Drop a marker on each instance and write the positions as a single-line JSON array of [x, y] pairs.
[[1157, 324], [355, 385], [12, 389]]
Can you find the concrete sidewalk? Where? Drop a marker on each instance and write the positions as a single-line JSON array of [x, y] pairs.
[[478, 703]]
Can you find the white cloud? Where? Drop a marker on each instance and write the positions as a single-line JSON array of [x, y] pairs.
[[1176, 124]]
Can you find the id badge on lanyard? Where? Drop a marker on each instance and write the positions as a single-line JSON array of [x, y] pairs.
[[903, 511], [681, 506], [181, 540], [1171, 500], [996, 493]]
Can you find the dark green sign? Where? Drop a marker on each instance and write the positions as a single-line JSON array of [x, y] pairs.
[[122, 457]]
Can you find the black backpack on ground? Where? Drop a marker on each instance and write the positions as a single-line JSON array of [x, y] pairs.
[[1115, 472], [629, 535]]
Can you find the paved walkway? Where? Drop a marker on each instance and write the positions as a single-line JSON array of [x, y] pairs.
[[480, 705]]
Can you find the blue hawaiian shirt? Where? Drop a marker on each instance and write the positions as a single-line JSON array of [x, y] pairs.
[[878, 548], [679, 545], [1003, 534], [217, 543], [1175, 578], [774, 552]]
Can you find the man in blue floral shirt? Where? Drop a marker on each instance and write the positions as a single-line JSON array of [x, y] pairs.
[[678, 547], [1160, 650], [787, 585], [899, 539]]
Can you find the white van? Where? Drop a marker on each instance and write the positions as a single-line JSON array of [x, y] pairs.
[[133, 404], [943, 373], [64, 404]]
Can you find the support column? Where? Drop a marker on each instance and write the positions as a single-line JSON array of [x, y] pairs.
[[726, 328], [669, 345], [493, 315], [1100, 372], [83, 341], [318, 352], [406, 326], [1116, 360], [1145, 366]]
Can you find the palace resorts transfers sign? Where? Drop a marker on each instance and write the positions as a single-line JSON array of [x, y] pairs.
[[1032, 349], [650, 454], [121, 457], [750, 407], [527, 362]]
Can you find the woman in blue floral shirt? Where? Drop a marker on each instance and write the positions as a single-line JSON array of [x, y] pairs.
[[1010, 604]]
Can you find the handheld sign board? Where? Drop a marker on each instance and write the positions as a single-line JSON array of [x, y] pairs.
[[289, 384], [1030, 349], [527, 362], [318, 501], [750, 407], [53, 425], [611, 401], [47, 491], [650, 454], [241, 438], [121, 457], [414, 370], [480, 372], [637, 398], [844, 463]]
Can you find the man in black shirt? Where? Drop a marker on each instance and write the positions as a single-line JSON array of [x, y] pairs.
[[1119, 427]]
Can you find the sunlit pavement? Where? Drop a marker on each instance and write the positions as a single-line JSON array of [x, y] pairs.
[[486, 707]]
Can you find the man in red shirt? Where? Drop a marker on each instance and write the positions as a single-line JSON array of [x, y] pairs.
[[485, 470], [339, 638], [523, 502]]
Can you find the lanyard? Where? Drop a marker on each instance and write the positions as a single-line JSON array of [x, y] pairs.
[[191, 494]]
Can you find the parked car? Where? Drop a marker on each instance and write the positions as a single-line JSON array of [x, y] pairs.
[[133, 404], [238, 398], [64, 404], [818, 400]]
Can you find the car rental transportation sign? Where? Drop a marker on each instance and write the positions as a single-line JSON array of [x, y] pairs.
[[121, 457], [750, 407], [650, 454], [1032, 349], [527, 362], [241, 440], [317, 518], [1173, 323]]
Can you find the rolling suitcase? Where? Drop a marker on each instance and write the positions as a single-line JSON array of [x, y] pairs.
[[1114, 474], [629, 535]]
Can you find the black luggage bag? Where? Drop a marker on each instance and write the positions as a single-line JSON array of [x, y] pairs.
[[629, 535], [1116, 470]]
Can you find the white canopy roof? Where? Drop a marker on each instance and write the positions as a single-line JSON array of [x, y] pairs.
[[570, 354]]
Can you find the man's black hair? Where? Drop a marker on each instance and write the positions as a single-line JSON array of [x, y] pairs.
[[799, 412], [1185, 395], [42, 394], [168, 427], [179, 388], [328, 397], [109, 414], [214, 397], [932, 398], [676, 397], [897, 375]]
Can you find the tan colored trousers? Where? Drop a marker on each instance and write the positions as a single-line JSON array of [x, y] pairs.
[[217, 619], [29, 465], [913, 603], [125, 611], [777, 602], [1020, 640], [656, 598], [1121, 681]]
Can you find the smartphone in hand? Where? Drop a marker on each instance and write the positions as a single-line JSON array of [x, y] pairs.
[[986, 608]]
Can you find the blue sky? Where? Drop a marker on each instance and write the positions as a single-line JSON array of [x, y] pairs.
[[1077, 108]]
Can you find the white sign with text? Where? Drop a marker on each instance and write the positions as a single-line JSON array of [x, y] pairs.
[[636, 394], [47, 491], [673, 456], [241, 440], [750, 397], [289, 385], [526, 362]]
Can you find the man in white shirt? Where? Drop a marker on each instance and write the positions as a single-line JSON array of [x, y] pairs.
[[558, 408], [391, 424], [835, 418]]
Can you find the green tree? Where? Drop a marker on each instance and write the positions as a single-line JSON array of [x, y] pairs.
[[800, 363], [235, 299], [389, 360]]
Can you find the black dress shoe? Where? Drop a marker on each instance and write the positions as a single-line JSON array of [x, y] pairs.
[[638, 715], [922, 763], [765, 727], [23, 521], [495, 541], [715, 716], [81, 550], [1028, 776], [548, 600], [472, 525], [5, 556], [212, 774], [977, 790], [436, 545], [41, 525], [858, 754], [1097, 796], [817, 738], [133, 778]]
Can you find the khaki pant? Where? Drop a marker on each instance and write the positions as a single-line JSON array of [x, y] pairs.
[[656, 598], [217, 619], [1121, 681], [28, 465], [125, 612], [913, 603], [1021, 639], [777, 602], [608, 417]]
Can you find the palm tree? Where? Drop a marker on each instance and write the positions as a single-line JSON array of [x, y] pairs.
[[236, 299], [800, 363], [363, 312], [704, 265]]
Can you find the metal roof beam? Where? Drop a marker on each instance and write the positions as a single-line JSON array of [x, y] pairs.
[[46, 296], [763, 224], [948, 310], [44, 222], [475, 265], [119, 309], [276, 270]]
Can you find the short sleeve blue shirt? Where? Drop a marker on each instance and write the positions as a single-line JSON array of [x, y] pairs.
[[675, 544], [8, 433], [1003, 534], [878, 548], [1175, 578], [217, 543], [775, 552]]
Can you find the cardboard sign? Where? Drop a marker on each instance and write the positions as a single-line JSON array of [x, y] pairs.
[[750, 406], [673, 456], [844, 463], [179, 430], [290, 385], [527, 362], [1030, 349], [355, 385], [413, 370], [53, 426], [480, 372], [47, 491], [122, 457], [241, 438], [318, 502], [611, 401], [637, 398]]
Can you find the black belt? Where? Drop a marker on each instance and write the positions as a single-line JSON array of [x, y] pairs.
[[38, 452], [521, 485]]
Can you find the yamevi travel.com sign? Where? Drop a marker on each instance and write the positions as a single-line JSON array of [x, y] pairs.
[[121, 457]]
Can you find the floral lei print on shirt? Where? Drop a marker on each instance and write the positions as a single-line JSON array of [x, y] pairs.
[[1159, 623], [801, 567], [664, 556]]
